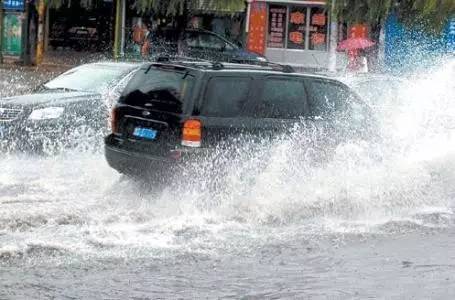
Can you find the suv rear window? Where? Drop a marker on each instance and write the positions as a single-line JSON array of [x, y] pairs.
[[282, 98], [226, 96], [164, 89]]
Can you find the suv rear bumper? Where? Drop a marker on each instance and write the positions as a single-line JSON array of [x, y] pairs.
[[121, 157], [138, 164]]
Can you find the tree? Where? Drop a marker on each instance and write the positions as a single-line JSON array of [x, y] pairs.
[[183, 10], [180, 7], [431, 15], [59, 3], [1, 31], [170, 7]]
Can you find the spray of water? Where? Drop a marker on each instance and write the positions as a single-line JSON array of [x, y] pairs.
[[276, 189]]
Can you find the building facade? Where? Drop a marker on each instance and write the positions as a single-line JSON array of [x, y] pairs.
[[294, 32]]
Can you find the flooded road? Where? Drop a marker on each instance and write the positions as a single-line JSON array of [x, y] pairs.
[[361, 226]]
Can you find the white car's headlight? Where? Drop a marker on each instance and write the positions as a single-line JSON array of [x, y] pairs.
[[46, 113]]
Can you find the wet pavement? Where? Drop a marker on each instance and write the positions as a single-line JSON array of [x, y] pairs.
[[19, 80], [354, 228]]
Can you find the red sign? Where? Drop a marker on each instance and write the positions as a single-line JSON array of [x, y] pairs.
[[358, 31], [297, 18], [318, 19], [257, 28], [318, 38], [296, 37]]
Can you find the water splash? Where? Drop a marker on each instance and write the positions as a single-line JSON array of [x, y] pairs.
[[74, 203]]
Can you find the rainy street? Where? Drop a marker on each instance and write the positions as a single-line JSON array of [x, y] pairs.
[[354, 228], [227, 149]]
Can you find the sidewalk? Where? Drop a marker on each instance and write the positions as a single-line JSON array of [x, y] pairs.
[[60, 60], [70, 58]]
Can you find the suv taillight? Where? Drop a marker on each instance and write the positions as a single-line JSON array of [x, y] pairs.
[[114, 120], [192, 133]]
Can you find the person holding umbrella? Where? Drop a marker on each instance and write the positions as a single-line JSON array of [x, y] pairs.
[[354, 47]]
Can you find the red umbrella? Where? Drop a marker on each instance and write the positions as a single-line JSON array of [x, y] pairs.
[[355, 44]]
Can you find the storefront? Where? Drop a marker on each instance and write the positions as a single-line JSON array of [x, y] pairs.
[[18, 31], [291, 32], [208, 15], [81, 26]]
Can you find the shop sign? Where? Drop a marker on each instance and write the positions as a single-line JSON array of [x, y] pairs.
[[297, 18], [296, 37], [318, 29], [18, 5], [318, 19], [297, 27], [318, 39], [12, 34], [277, 21], [358, 31], [257, 28]]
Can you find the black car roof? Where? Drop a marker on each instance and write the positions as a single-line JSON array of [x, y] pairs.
[[208, 66]]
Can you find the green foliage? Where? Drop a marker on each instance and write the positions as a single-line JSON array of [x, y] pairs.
[[169, 7], [362, 11], [179, 7], [60, 3], [430, 14]]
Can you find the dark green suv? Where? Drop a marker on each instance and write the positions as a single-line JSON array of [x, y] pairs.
[[174, 110]]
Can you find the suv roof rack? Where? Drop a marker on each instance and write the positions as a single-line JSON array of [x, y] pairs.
[[278, 67], [274, 66], [217, 65], [169, 58]]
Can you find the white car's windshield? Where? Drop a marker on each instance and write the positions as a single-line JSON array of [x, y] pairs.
[[90, 78]]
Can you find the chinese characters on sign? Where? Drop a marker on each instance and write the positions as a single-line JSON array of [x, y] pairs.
[[256, 37], [296, 37], [318, 29], [277, 20], [318, 39], [297, 27], [14, 5], [318, 20], [298, 18]]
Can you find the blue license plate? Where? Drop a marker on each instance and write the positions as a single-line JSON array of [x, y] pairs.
[[145, 133]]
